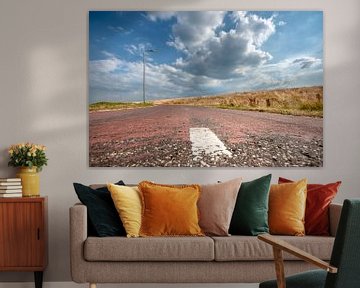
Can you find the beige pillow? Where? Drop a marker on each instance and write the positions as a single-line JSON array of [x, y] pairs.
[[216, 206]]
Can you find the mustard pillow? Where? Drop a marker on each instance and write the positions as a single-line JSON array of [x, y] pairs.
[[169, 210], [287, 204], [127, 201]]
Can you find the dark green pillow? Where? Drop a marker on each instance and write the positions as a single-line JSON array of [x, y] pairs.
[[250, 216], [103, 218]]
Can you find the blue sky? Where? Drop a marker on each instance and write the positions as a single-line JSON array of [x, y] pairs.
[[202, 53]]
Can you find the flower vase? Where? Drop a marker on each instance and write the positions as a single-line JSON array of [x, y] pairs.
[[30, 181]]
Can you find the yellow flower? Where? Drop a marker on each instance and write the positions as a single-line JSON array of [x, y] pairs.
[[41, 147], [11, 151]]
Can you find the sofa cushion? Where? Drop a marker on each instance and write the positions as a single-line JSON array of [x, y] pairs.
[[216, 206], [287, 204], [250, 215], [102, 216], [149, 249], [127, 201], [169, 210], [244, 248]]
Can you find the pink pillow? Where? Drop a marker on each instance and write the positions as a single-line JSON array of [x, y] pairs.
[[216, 205]]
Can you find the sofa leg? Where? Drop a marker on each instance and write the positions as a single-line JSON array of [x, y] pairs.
[[92, 285]]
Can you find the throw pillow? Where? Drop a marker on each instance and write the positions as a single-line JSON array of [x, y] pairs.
[[102, 215], [319, 197], [250, 215], [169, 210], [216, 206], [127, 201], [287, 208]]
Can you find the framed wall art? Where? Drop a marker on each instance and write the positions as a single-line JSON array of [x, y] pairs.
[[205, 89]]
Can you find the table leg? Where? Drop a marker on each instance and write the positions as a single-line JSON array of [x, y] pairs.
[[38, 279]]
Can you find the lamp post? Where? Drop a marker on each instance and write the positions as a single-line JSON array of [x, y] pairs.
[[144, 65]]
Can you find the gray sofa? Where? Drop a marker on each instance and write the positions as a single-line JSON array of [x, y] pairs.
[[234, 259]]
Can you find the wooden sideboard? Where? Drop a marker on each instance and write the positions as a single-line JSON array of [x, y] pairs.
[[23, 235]]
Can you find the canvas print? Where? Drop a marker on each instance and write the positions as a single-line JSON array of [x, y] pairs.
[[205, 89]]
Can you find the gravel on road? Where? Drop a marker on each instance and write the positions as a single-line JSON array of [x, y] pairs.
[[159, 137]]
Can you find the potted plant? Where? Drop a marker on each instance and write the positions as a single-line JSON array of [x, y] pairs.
[[30, 158]]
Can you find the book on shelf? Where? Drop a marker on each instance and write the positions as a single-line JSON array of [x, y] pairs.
[[10, 180], [9, 195], [2, 188], [10, 183], [10, 191]]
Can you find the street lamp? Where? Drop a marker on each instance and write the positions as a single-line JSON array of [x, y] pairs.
[[144, 52]]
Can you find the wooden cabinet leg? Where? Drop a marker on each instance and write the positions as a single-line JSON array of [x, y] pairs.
[[38, 279]]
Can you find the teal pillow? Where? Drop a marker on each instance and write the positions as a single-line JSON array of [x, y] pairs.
[[250, 216]]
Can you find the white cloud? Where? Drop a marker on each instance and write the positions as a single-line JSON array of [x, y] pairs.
[[307, 62], [119, 29], [194, 29], [255, 29], [104, 66], [132, 49], [156, 15], [213, 52], [287, 73], [137, 49]]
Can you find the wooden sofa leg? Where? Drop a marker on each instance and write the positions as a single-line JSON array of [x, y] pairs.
[[92, 285]]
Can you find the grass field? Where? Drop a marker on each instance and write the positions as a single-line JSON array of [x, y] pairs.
[[305, 101], [117, 105]]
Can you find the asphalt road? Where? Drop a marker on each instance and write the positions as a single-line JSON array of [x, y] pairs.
[[174, 136]]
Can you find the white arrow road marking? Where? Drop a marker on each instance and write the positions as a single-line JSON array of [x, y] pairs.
[[204, 141]]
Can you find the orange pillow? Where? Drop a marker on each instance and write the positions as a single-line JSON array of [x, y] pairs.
[[169, 210], [287, 204]]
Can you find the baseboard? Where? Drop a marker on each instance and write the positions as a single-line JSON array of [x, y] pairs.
[[74, 285]]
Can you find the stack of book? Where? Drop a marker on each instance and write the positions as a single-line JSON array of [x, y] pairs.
[[10, 187]]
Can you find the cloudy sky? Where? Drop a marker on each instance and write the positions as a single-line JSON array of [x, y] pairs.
[[202, 53]]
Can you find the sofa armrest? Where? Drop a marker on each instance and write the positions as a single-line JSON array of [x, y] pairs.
[[334, 217], [78, 235]]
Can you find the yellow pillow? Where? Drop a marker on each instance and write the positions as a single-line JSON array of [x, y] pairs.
[[169, 210], [287, 204], [127, 201]]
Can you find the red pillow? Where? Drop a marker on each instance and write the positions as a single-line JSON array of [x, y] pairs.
[[319, 197]]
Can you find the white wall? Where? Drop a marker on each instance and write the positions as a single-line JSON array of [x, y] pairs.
[[43, 90]]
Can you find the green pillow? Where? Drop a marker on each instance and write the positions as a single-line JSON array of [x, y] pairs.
[[250, 216]]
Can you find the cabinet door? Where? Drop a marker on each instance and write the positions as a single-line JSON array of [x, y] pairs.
[[21, 234]]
